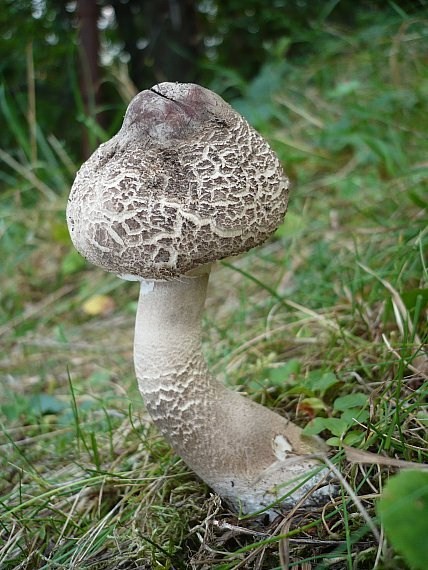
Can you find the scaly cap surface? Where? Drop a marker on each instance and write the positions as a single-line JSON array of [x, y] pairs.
[[186, 181]]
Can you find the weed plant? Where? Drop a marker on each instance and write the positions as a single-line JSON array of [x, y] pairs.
[[326, 324]]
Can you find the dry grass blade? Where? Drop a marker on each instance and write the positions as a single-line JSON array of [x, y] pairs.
[[402, 317], [368, 458], [62, 154], [283, 545], [300, 111], [419, 371], [86, 542]]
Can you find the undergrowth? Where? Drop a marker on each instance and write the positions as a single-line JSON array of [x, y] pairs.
[[327, 324]]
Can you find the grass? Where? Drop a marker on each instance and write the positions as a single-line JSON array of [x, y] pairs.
[[326, 324]]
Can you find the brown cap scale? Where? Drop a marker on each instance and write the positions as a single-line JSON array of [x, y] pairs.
[[185, 182]]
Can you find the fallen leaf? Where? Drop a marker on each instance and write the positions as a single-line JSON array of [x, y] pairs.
[[98, 305]]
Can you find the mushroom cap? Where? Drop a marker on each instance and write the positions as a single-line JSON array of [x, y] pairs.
[[186, 181]]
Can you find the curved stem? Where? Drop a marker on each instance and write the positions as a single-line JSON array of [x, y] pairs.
[[244, 451]]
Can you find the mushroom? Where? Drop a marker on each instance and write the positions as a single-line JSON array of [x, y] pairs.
[[185, 182]]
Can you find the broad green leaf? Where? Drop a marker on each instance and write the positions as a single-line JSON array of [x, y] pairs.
[[314, 427], [353, 414], [351, 438], [279, 376], [356, 400], [403, 509], [319, 381], [336, 426], [42, 404]]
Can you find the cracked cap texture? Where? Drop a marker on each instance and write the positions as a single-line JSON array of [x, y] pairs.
[[185, 182]]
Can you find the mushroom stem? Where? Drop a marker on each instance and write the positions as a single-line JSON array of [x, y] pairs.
[[248, 454]]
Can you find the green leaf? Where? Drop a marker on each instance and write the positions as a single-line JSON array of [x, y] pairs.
[[42, 404], [356, 400], [314, 427], [349, 416], [403, 509], [279, 376], [319, 381], [336, 426], [351, 438]]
